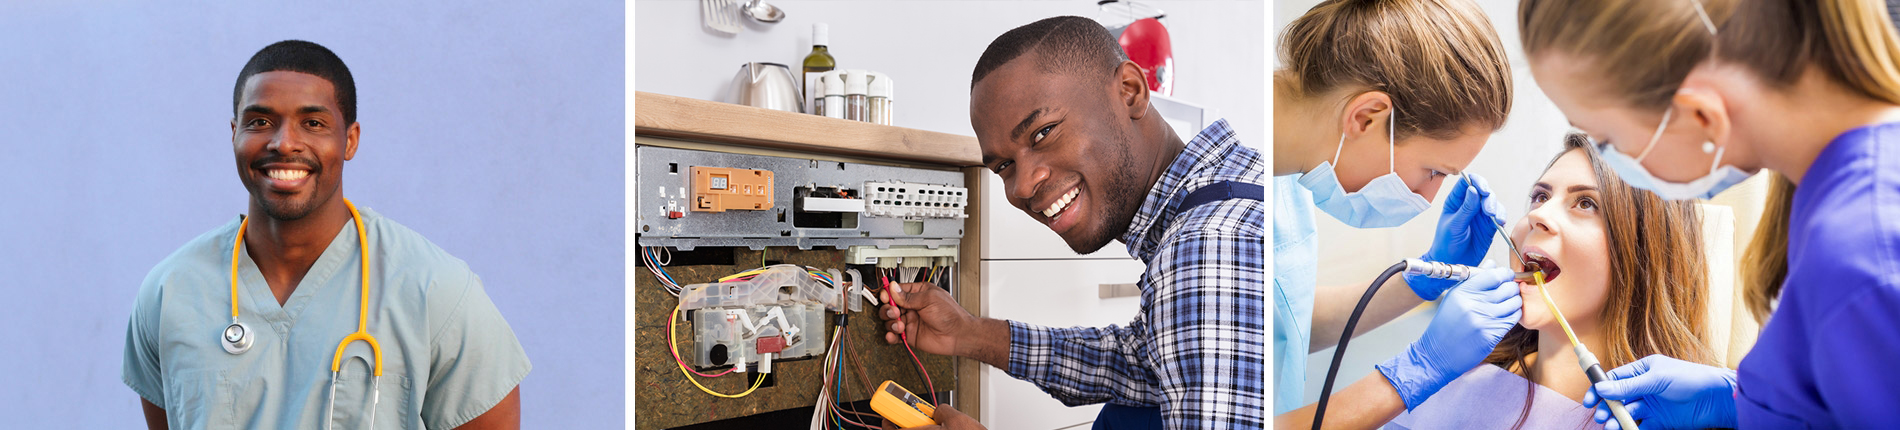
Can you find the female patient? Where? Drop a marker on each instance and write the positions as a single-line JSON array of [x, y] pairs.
[[1627, 270]]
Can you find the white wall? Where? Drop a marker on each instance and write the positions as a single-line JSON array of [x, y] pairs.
[[1511, 162], [930, 48]]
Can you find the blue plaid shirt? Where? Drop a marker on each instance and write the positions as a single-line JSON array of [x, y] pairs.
[[1197, 349]]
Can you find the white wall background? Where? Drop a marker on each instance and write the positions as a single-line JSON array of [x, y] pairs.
[[930, 47], [1511, 162]]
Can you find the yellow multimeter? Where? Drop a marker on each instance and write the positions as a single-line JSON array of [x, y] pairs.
[[901, 407]]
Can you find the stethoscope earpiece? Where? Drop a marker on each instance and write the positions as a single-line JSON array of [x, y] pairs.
[[237, 338]]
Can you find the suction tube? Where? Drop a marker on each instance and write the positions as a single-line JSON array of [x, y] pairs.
[[1339, 352]]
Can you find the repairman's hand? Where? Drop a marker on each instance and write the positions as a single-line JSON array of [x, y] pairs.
[[947, 418], [927, 314], [1470, 322], [1668, 393], [1465, 230]]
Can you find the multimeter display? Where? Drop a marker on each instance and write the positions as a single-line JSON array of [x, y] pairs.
[[901, 407]]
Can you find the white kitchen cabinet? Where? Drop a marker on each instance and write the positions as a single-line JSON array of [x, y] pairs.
[[1054, 293]]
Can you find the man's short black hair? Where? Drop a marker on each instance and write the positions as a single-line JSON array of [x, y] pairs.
[[1068, 44], [302, 57]]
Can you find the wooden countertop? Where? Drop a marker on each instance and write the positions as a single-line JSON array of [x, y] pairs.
[[693, 119]]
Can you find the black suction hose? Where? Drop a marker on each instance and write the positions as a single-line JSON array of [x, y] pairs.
[[1339, 352]]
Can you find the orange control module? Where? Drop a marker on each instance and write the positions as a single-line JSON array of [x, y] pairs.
[[718, 189]]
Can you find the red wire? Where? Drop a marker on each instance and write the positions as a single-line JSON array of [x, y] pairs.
[[676, 356], [913, 354], [920, 367]]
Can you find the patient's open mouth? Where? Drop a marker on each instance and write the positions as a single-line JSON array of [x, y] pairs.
[[1537, 261]]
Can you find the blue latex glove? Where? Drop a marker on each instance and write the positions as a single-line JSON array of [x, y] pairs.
[[1664, 392], [1465, 230], [1470, 322]]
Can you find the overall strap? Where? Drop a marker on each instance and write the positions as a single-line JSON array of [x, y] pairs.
[[1224, 190]]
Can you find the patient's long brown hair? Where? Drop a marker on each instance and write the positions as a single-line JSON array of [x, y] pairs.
[[1658, 279]]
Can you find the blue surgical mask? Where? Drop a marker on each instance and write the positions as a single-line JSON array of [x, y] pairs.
[[1720, 177], [1384, 202]]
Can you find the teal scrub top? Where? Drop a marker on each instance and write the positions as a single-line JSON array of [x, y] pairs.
[[448, 356], [1295, 255]]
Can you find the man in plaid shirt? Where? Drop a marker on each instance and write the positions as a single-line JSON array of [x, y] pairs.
[[1063, 118]]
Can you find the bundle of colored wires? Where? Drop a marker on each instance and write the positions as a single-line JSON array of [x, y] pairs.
[[652, 259], [834, 385], [813, 271], [673, 343]]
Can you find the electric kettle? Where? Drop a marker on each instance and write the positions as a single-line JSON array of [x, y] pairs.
[[766, 85]]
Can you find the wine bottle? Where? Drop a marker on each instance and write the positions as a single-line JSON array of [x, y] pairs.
[[817, 63]]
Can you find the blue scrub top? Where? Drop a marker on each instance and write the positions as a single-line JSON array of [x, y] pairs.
[[1825, 358], [1295, 255], [448, 356]]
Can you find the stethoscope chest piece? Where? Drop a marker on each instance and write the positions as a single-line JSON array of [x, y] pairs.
[[237, 338]]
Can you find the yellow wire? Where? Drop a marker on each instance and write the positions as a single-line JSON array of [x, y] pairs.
[[1561, 322], [742, 274], [761, 270], [670, 329]]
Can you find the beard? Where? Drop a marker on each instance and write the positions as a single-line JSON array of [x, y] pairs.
[[287, 208], [1124, 196]]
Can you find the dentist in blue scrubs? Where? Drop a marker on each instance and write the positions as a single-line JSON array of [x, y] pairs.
[[1368, 126], [1811, 91]]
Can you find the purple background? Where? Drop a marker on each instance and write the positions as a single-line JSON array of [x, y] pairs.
[[494, 128]]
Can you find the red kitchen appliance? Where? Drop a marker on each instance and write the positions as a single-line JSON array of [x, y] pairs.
[[1139, 29]]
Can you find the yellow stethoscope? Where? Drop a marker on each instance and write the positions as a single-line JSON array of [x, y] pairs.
[[238, 338]]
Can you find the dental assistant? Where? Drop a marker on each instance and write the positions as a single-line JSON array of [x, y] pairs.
[[1807, 89], [310, 312], [1378, 103]]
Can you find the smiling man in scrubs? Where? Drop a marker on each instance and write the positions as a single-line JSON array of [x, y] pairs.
[[449, 360]]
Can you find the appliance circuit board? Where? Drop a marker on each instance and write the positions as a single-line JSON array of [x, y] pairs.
[[687, 199]]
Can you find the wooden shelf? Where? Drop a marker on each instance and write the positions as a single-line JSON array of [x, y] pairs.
[[691, 119]]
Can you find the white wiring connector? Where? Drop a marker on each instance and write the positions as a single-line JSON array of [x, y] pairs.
[[900, 199], [855, 286], [765, 363]]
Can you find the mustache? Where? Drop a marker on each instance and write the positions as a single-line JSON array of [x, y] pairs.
[[308, 163]]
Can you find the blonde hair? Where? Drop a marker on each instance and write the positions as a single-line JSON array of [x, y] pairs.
[[1645, 48], [1440, 60], [1650, 48]]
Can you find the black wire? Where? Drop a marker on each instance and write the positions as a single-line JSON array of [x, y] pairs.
[[1339, 352]]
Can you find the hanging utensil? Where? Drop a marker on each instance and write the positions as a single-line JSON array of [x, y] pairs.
[[720, 15], [763, 12]]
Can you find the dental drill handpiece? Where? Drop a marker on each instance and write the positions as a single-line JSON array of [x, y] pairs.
[[1454, 272], [1460, 272], [1587, 360]]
